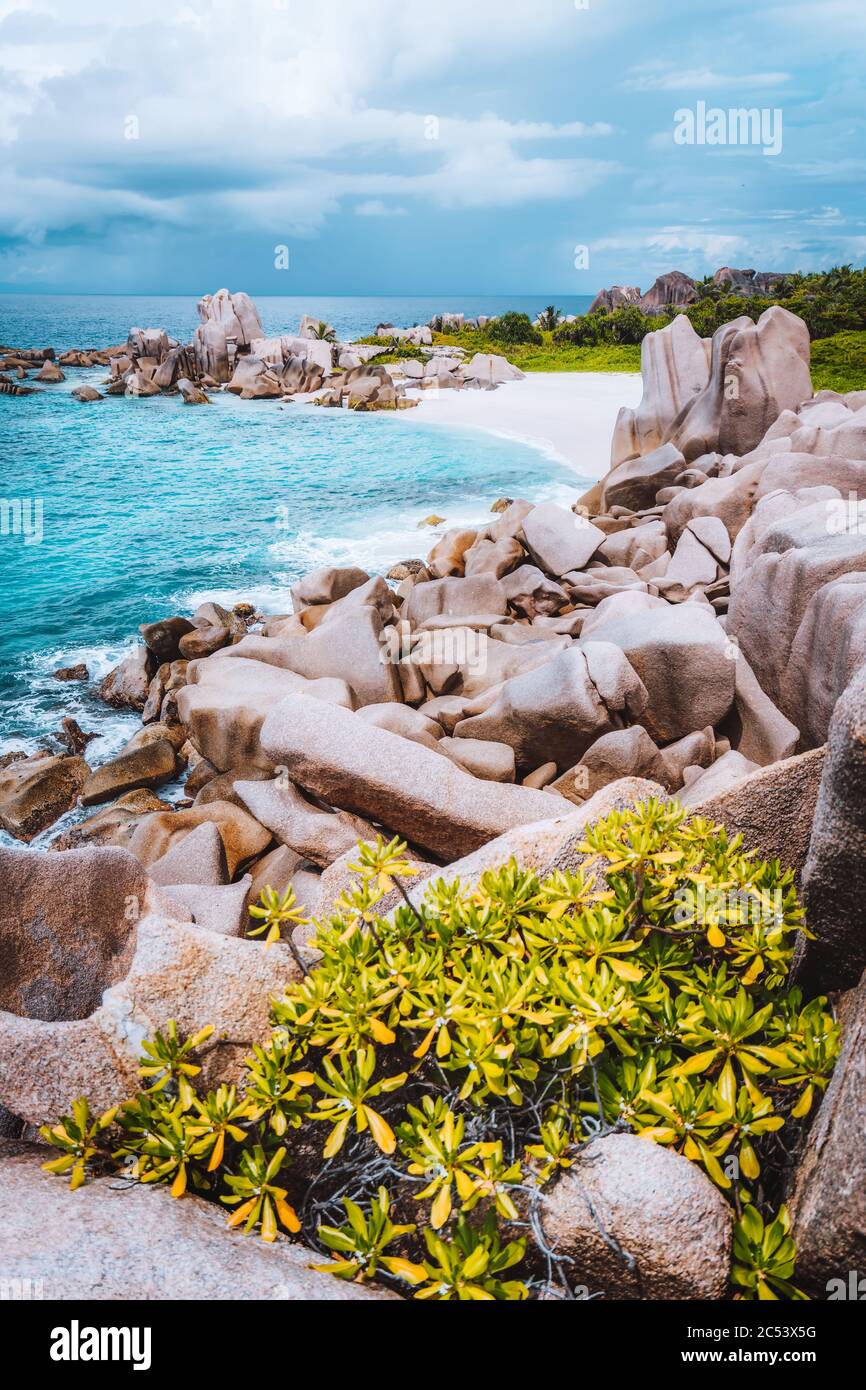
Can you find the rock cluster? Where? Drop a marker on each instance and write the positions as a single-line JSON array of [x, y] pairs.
[[687, 628], [676, 290]]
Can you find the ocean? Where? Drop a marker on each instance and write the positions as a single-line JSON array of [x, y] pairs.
[[149, 507]]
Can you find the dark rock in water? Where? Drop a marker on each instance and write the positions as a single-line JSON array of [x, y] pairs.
[[86, 393], [404, 568], [72, 673], [72, 734], [163, 637]]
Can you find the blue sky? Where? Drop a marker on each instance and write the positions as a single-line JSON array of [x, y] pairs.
[[399, 147]]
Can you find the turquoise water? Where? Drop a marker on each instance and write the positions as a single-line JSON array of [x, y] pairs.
[[150, 506]]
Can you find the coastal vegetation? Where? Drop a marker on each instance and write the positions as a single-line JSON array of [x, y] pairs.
[[831, 303], [461, 1052]]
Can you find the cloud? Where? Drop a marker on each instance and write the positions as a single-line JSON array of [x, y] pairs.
[[655, 77], [374, 207]]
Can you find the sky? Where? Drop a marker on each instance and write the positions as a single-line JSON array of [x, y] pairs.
[[390, 147]]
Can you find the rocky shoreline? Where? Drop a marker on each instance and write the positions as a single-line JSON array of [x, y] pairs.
[[229, 351], [694, 627]]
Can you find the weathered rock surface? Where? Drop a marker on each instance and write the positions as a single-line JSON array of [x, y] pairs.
[[242, 836], [772, 809], [67, 928], [147, 766], [680, 654], [560, 708], [124, 1241], [559, 540], [35, 791], [314, 834], [834, 881], [828, 1197], [414, 791], [672, 1226], [178, 971], [227, 701]]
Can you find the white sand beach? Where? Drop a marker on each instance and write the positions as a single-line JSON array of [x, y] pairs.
[[568, 415]]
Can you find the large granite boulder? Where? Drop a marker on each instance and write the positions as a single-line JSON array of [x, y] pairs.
[[675, 367], [415, 792], [177, 971], [226, 702], [834, 882], [679, 652], [757, 370], [67, 928], [636, 1220], [351, 647], [811, 581], [828, 1191], [315, 834], [554, 713], [35, 791], [772, 808], [112, 1241]]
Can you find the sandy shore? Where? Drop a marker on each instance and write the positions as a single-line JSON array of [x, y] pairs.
[[568, 415]]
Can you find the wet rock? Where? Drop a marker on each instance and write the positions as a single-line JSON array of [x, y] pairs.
[[72, 673], [35, 791], [162, 638], [149, 766], [126, 687]]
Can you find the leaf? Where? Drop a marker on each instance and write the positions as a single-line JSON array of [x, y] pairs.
[[381, 1131], [441, 1209], [404, 1269]]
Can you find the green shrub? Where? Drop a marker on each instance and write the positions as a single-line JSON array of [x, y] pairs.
[[513, 328], [460, 1052]]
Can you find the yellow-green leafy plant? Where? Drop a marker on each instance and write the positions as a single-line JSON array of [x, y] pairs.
[[764, 1256], [257, 1199], [467, 1268], [362, 1240], [461, 1048], [78, 1137]]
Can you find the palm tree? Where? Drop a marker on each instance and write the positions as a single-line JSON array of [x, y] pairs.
[[323, 331], [549, 319]]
